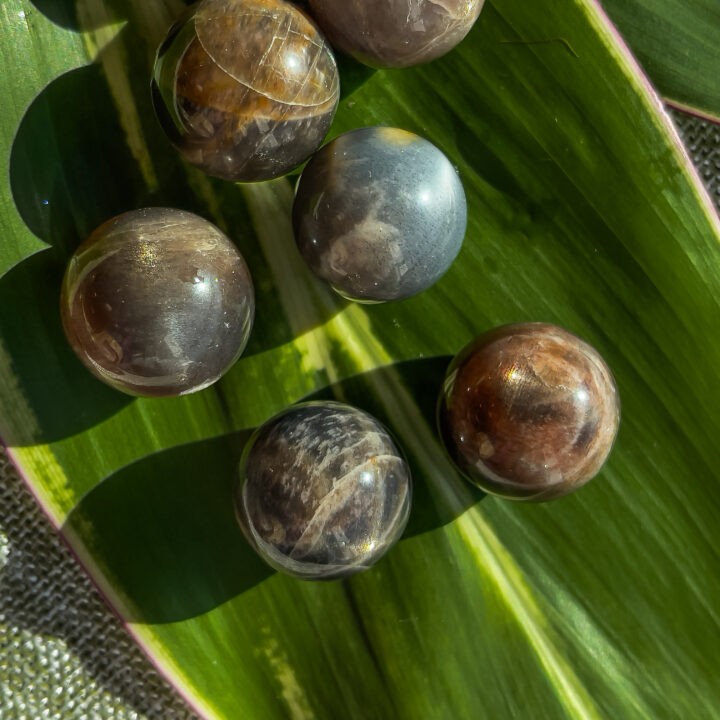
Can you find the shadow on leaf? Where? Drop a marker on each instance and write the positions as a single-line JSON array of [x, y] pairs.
[[59, 397], [70, 167], [64, 13], [164, 528]]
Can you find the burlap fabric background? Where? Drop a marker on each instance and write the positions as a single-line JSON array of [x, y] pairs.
[[63, 654]]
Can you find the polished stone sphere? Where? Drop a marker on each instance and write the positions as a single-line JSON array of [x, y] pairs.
[[395, 33], [379, 214], [529, 411], [324, 491], [245, 89], [157, 302]]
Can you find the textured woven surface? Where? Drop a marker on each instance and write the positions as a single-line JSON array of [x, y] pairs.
[[63, 654], [702, 140]]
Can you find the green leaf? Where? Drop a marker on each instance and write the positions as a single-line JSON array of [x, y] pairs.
[[583, 212], [676, 41]]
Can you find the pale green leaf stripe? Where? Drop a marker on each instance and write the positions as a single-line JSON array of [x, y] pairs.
[[492, 560], [489, 553], [102, 47]]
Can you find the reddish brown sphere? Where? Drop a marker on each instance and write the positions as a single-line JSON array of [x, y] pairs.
[[529, 411]]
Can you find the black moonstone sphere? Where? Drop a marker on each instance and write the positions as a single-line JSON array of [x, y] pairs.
[[396, 33], [245, 89], [529, 411], [324, 491], [157, 302], [380, 214]]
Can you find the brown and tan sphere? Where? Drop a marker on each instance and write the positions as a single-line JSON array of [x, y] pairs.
[[245, 89], [529, 411]]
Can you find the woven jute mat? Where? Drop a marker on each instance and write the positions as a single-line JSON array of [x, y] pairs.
[[63, 654], [702, 140]]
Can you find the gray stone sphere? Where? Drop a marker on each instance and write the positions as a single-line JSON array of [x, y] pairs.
[[157, 302], [380, 214], [324, 491], [395, 33]]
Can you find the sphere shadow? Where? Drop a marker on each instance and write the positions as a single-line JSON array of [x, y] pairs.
[[70, 170], [166, 529], [70, 165], [60, 397], [62, 13], [65, 14], [165, 526], [353, 74]]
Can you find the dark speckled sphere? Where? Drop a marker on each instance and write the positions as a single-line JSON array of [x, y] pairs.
[[245, 89], [396, 33], [529, 411], [379, 214], [157, 302], [324, 491]]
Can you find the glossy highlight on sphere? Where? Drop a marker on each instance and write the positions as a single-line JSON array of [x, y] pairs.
[[324, 491], [157, 302], [529, 411], [245, 89], [380, 214], [395, 33]]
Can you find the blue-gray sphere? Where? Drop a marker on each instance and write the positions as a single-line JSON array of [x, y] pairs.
[[380, 214], [324, 491]]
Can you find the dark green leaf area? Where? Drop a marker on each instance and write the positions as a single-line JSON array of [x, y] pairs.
[[165, 525], [625, 583], [61, 398], [676, 41], [64, 13], [555, 189], [178, 552], [70, 168], [399, 624], [76, 16]]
